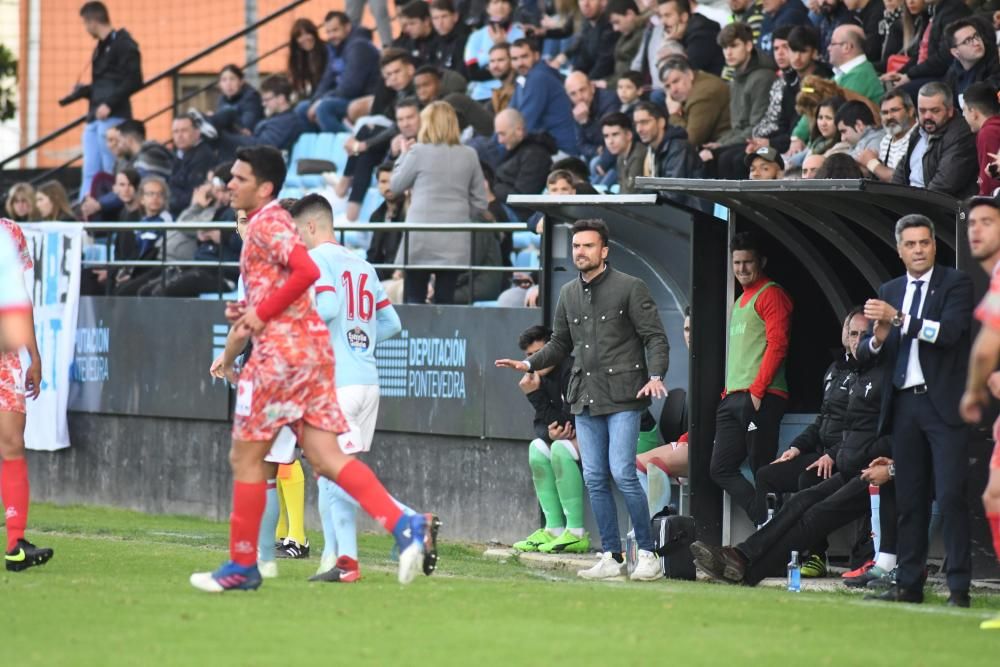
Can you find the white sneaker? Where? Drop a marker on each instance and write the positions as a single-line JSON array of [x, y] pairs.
[[268, 568], [326, 563], [606, 568], [647, 567]]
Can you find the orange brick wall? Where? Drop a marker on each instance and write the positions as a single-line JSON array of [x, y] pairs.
[[166, 31]]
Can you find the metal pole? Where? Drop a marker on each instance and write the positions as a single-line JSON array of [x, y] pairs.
[[251, 74]]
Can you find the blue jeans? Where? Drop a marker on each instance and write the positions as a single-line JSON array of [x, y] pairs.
[[329, 114], [97, 157], [607, 448]]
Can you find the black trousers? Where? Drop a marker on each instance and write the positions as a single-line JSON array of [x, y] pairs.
[[783, 477], [932, 462], [361, 167], [806, 520], [744, 434], [415, 286]]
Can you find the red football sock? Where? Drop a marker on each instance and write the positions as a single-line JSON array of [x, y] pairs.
[[994, 520], [361, 484], [249, 499], [347, 563], [15, 490]]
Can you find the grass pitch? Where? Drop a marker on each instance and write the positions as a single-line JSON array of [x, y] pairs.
[[116, 593]]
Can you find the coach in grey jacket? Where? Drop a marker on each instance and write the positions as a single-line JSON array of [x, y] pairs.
[[609, 323]]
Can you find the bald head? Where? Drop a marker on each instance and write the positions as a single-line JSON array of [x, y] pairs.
[[579, 89], [509, 126], [847, 43], [811, 165]]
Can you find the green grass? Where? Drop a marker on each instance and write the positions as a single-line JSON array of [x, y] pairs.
[[116, 593]]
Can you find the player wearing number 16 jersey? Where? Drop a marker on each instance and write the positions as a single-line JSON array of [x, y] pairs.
[[351, 300]]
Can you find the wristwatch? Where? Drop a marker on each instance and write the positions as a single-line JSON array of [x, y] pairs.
[[655, 378], [898, 320], [892, 471]]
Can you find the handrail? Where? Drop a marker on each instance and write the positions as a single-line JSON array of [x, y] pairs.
[[347, 226], [170, 71]]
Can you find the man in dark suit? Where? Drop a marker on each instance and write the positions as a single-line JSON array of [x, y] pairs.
[[921, 321]]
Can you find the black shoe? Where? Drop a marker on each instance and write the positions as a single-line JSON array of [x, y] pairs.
[[292, 549], [721, 563], [897, 594], [26, 555], [431, 544], [961, 599]]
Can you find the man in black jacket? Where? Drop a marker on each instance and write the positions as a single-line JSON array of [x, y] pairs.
[[973, 44], [593, 49], [943, 146], [194, 158], [452, 34], [526, 164], [921, 323], [939, 57], [695, 32], [116, 73], [670, 154]]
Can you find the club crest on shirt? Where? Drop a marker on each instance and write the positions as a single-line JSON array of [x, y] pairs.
[[358, 340]]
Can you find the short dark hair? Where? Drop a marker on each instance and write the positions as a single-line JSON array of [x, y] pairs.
[[95, 11], [407, 102], [392, 54], [617, 119], [560, 175], [415, 10], [851, 112], [532, 334], [732, 33], [782, 32], [955, 26], [433, 70], [501, 46], [621, 7], [683, 6], [898, 94], [313, 203], [233, 69], [223, 171], [341, 17], [444, 6], [287, 203], [748, 242], [188, 117], [278, 85], [266, 164], [386, 166], [938, 89], [132, 128], [981, 200], [654, 110], [802, 38], [592, 225], [575, 166], [839, 165], [911, 221], [634, 77], [982, 97], [132, 174], [527, 42]]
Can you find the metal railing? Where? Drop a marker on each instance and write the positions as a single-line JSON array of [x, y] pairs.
[[169, 72], [220, 266]]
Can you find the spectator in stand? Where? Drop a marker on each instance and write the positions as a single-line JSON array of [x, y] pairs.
[[833, 14], [696, 33], [811, 166], [121, 245], [351, 72], [750, 12], [384, 243], [528, 156], [540, 97], [775, 128], [515, 295], [941, 155], [502, 71], [851, 68], [428, 87], [154, 193], [307, 58], [416, 32], [446, 185], [408, 124], [748, 99], [53, 203], [590, 105], [765, 164], [870, 15], [824, 137], [629, 89], [280, 128], [974, 47], [933, 56], [779, 13], [630, 25], [697, 101], [981, 110], [116, 73], [452, 34], [380, 10], [560, 182], [499, 29], [20, 205], [630, 154], [803, 43], [899, 121], [239, 108], [906, 26], [839, 166], [856, 125], [669, 153], [194, 157], [592, 50]]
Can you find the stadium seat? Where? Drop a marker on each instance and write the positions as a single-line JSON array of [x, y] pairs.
[[484, 304], [527, 259], [525, 239], [314, 145]]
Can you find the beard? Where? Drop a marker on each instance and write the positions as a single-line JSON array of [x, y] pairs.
[[930, 126]]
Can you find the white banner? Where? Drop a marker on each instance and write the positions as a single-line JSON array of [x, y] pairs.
[[54, 286]]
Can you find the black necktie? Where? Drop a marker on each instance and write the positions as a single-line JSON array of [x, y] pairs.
[[903, 358]]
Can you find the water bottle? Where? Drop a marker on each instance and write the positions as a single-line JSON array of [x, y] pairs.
[[794, 574]]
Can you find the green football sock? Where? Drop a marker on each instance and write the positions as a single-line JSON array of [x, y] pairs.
[[569, 481], [648, 440], [544, 479]]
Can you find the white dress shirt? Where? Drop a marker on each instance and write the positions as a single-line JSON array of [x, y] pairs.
[[914, 372]]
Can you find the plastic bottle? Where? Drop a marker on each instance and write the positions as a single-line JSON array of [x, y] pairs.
[[794, 573]]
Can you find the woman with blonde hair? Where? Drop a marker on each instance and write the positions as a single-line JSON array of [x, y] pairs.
[[446, 185], [53, 202], [20, 205]]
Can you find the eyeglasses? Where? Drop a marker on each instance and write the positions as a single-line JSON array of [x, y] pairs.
[[266, 98], [524, 283], [968, 41], [153, 193]]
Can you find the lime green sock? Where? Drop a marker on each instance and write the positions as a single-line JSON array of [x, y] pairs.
[[648, 440], [543, 477], [569, 481]]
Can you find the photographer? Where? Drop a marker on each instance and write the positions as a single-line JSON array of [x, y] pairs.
[[116, 73]]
